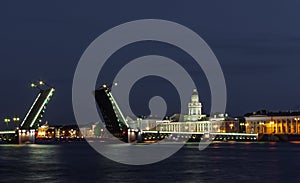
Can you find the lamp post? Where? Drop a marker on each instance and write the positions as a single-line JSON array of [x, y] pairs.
[[6, 120], [110, 85], [34, 85], [16, 119], [39, 84]]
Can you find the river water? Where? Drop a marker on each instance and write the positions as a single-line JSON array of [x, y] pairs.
[[223, 162]]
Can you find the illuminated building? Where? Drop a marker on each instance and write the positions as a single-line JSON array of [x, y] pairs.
[[195, 126], [42, 131], [70, 132], [265, 122], [88, 131], [195, 108], [194, 121], [224, 124], [45, 131]]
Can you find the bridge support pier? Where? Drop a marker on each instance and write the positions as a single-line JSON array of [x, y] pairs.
[[26, 136], [134, 136]]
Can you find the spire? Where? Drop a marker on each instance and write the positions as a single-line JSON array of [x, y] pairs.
[[195, 91], [195, 97]]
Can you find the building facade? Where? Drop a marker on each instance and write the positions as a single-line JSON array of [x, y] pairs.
[[265, 122], [224, 123], [194, 121]]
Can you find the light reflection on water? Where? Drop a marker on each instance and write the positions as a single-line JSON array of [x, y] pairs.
[[29, 163], [224, 162]]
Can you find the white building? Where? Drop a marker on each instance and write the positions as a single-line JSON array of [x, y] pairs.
[[195, 126], [194, 121], [195, 108], [88, 131]]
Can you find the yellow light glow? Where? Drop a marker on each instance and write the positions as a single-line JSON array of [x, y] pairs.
[[6, 120]]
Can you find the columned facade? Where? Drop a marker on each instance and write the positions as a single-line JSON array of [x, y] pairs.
[[272, 124]]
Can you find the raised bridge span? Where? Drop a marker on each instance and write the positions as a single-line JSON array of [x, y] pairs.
[[37, 110], [25, 133]]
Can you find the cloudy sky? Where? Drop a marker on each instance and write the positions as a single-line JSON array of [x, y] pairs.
[[256, 42]]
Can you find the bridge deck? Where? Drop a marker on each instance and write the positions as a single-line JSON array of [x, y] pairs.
[[201, 133], [37, 109], [7, 132]]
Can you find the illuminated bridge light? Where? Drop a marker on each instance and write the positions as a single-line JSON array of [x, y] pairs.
[[7, 132]]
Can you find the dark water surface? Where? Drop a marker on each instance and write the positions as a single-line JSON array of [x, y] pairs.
[[225, 162]]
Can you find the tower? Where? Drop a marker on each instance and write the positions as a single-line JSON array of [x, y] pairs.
[[195, 107]]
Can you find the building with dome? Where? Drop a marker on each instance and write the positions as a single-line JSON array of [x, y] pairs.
[[194, 108]]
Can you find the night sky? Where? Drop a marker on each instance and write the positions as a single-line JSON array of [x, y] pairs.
[[256, 42]]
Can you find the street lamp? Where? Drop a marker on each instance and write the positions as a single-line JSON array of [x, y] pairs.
[[6, 120], [38, 84], [34, 85], [41, 82], [110, 85], [16, 119]]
